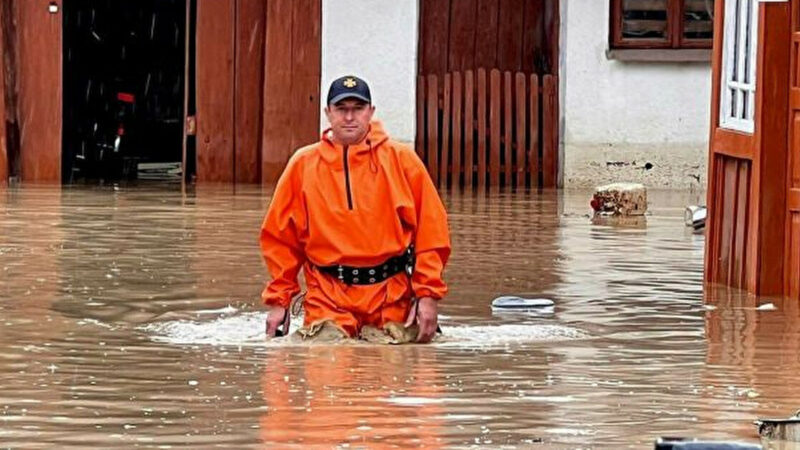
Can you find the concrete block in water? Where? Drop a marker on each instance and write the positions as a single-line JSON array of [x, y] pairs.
[[620, 200]]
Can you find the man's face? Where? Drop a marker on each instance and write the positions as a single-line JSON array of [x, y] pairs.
[[349, 120]]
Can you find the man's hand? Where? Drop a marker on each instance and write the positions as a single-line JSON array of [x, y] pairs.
[[275, 317], [427, 316]]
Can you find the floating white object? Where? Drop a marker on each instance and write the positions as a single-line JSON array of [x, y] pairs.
[[695, 217], [508, 302]]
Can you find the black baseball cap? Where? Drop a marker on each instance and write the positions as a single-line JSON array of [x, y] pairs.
[[348, 86]]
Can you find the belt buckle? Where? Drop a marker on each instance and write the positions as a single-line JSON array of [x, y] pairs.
[[340, 269]]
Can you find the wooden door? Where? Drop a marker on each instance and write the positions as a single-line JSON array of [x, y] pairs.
[[293, 56], [792, 246], [747, 155], [487, 92], [729, 251], [38, 79], [258, 73], [215, 38]]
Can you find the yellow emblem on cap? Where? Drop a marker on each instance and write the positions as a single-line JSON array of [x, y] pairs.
[[349, 83]]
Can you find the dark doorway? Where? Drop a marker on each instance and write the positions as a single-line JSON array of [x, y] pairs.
[[123, 70]]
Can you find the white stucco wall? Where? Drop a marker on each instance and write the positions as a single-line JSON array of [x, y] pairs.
[[628, 112], [376, 40]]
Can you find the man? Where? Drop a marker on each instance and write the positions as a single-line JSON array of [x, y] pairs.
[[360, 215]]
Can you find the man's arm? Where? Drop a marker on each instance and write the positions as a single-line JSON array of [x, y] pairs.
[[431, 232], [431, 245], [281, 248]]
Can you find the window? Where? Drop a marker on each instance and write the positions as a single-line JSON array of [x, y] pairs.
[[662, 23], [739, 65]]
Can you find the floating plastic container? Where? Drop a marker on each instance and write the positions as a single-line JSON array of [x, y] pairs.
[[695, 217], [668, 443], [521, 304]]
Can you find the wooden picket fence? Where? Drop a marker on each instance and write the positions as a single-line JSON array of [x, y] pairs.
[[500, 130]]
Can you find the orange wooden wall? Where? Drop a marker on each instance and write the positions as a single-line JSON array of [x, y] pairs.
[[509, 35]]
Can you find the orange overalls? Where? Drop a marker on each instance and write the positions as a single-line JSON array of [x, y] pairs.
[[356, 206]]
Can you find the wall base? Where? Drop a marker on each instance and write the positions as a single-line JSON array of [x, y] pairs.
[[676, 166]]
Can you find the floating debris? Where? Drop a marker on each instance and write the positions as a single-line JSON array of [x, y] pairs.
[[620, 199], [671, 443], [787, 429], [513, 303], [160, 171], [695, 217]]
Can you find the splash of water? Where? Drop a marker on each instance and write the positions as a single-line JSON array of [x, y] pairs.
[[247, 329]]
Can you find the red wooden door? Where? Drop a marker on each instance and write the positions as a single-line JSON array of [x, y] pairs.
[[792, 246], [38, 75]]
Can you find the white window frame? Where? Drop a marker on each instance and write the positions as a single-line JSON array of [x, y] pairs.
[[740, 50]]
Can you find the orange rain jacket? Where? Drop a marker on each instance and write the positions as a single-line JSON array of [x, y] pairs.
[[355, 206]]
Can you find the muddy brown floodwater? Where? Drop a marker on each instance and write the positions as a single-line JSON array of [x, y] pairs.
[[129, 317]]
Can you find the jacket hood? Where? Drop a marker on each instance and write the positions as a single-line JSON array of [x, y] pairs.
[[375, 137]]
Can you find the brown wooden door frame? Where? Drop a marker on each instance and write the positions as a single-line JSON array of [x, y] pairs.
[[741, 249], [3, 142], [189, 30]]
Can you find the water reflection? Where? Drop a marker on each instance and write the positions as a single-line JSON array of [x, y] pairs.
[[635, 348], [507, 243], [753, 357], [332, 395]]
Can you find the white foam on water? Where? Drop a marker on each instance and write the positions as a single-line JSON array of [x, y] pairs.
[[494, 335], [247, 329], [224, 310]]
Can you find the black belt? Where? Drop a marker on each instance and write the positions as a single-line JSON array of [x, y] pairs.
[[374, 274]]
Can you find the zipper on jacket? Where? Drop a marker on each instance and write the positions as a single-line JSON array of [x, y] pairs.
[[347, 180]]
